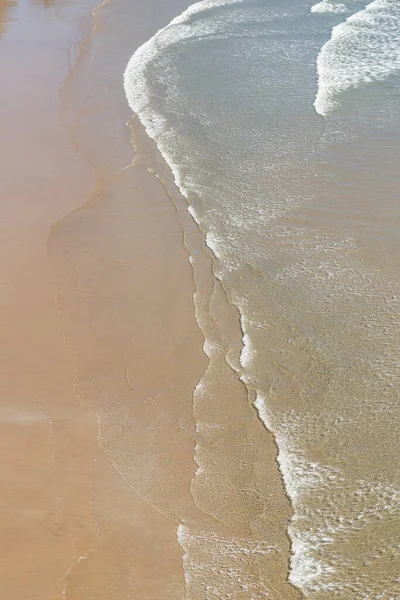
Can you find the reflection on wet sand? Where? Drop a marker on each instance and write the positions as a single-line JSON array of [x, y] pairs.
[[44, 3], [47, 440], [5, 8]]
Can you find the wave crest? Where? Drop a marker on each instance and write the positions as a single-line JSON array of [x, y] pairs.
[[362, 49]]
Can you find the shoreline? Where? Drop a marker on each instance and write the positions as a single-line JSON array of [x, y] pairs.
[[231, 522], [230, 347], [161, 458], [128, 235]]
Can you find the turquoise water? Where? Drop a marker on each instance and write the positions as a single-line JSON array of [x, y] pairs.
[[280, 122]]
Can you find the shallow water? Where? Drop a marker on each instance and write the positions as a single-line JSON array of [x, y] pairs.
[[301, 213]]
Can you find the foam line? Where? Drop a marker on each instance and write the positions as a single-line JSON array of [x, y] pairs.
[[362, 49]]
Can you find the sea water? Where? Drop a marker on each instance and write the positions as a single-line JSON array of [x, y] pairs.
[[280, 122]]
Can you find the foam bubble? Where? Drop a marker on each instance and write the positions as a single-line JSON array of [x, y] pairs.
[[365, 48]]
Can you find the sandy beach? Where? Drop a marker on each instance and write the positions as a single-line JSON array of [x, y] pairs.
[[48, 441], [123, 475]]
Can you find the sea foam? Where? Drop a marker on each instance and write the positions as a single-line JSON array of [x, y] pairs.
[[310, 533], [362, 49], [137, 91], [178, 29], [329, 7], [339, 508]]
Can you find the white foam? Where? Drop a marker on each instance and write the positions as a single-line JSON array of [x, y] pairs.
[[211, 349], [315, 526], [329, 7], [137, 91], [179, 29], [248, 352], [365, 48], [212, 243], [301, 477], [193, 214]]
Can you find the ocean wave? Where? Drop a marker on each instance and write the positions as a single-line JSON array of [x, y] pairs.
[[328, 509], [181, 28], [363, 49], [308, 482]]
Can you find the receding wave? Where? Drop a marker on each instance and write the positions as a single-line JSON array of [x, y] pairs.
[[363, 49], [183, 27], [225, 92]]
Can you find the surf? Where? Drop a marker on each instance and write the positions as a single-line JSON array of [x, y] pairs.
[[365, 48]]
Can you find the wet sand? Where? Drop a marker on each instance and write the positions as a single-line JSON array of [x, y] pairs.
[[52, 460], [48, 441], [106, 446]]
